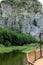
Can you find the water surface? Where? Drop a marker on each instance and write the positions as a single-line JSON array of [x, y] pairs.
[[13, 59]]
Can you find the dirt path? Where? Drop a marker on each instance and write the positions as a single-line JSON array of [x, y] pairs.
[[39, 62]]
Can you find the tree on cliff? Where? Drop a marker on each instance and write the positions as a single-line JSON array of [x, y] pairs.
[[34, 22]]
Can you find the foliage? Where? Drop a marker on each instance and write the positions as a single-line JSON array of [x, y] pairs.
[[35, 22], [8, 38], [6, 22], [20, 26], [36, 6], [33, 5], [7, 43], [16, 3]]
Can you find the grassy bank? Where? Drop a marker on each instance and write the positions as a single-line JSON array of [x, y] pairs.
[[19, 48]]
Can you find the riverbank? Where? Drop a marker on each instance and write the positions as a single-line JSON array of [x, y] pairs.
[[23, 49]]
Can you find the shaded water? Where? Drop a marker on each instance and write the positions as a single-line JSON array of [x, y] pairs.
[[12, 59]]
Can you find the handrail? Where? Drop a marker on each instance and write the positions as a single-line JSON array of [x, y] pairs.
[[30, 63]]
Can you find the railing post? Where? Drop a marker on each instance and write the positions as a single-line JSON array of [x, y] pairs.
[[35, 55], [40, 47]]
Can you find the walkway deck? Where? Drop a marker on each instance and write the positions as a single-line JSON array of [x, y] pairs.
[[33, 57], [39, 62]]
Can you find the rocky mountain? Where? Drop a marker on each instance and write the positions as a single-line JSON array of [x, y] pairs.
[[20, 14]]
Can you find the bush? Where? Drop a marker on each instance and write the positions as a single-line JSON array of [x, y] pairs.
[[8, 38], [35, 22], [7, 43]]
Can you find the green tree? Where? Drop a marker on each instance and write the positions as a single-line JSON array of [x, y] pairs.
[[20, 26], [35, 22], [6, 21]]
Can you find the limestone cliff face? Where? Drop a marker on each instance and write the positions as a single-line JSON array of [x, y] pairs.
[[24, 11]]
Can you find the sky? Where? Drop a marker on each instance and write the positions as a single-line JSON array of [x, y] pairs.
[[0, 0], [41, 1]]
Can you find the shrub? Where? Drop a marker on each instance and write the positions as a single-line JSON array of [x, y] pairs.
[[35, 22], [8, 38], [7, 43]]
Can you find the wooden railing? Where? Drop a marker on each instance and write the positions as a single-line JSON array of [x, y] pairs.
[[29, 63], [33, 56]]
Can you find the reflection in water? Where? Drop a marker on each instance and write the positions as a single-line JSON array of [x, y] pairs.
[[12, 59]]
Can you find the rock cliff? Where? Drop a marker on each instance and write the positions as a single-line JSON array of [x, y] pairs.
[[21, 14]]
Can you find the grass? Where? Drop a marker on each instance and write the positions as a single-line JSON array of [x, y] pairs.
[[23, 49]]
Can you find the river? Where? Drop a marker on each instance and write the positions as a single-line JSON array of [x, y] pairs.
[[13, 59]]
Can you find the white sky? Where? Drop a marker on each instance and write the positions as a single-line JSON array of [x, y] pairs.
[[41, 1], [0, 0]]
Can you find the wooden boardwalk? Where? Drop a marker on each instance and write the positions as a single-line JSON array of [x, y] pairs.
[[39, 62], [34, 57]]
